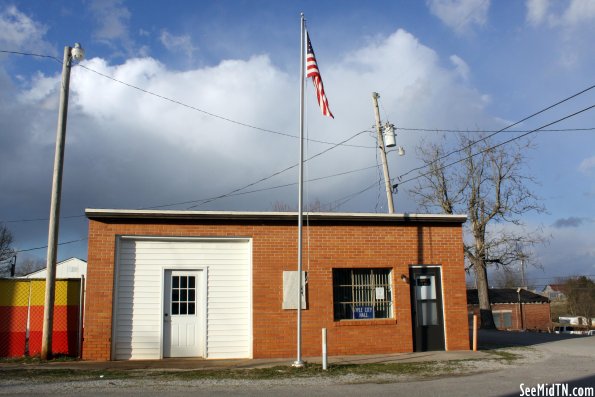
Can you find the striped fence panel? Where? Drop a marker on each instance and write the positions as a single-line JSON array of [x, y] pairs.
[[21, 317]]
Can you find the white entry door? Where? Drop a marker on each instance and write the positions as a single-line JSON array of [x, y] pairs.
[[181, 322]]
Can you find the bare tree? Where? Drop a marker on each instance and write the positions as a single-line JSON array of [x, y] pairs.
[[280, 206], [7, 253], [509, 278], [580, 296], [487, 184], [29, 266], [313, 206]]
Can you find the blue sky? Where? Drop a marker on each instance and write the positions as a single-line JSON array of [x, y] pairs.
[[437, 64]]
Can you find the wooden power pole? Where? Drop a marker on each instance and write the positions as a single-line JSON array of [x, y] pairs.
[[387, 184]]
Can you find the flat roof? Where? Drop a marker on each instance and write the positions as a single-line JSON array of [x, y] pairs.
[[93, 213]]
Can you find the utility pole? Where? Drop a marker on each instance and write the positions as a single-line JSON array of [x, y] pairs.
[[523, 272], [50, 283], [13, 265], [387, 184], [522, 257]]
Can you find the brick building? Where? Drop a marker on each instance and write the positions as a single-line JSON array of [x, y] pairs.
[[515, 309], [220, 284]]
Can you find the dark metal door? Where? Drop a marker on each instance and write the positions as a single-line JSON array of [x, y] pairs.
[[426, 308]]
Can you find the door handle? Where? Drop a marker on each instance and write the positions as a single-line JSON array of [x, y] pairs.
[[165, 314]]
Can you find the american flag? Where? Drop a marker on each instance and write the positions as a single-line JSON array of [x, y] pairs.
[[312, 71]]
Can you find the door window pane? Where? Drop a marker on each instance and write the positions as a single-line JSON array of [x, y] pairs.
[[429, 312], [183, 295]]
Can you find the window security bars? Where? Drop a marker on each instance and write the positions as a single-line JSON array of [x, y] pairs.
[[362, 294]]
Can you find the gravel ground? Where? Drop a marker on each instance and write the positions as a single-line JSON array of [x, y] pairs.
[[146, 382]]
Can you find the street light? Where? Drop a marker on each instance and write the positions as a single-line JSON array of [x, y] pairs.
[[77, 53]]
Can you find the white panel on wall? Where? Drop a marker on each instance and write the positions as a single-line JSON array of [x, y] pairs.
[[139, 295]]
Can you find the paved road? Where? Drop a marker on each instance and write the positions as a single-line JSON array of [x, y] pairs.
[[550, 360]]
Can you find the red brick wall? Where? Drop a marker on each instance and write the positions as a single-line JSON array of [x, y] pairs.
[[331, 245], [536, 316]]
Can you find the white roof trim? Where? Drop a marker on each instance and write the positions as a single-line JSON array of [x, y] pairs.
[[228, 215]]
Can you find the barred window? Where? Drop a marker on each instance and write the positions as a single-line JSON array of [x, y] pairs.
[[362, 294]]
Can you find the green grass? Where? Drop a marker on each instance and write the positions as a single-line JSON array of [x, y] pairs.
[[426, 369], [430, 369], [35, 359], [507, 355]]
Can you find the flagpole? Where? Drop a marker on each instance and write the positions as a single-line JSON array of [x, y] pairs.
[[298, 362]]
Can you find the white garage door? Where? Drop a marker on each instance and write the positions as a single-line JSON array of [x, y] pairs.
[[222, 295]]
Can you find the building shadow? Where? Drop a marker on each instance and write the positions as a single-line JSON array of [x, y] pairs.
[[495, 339], [558, 388]]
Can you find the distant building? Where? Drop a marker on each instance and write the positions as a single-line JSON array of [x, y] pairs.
[[554, 292], [574, 320], [69, 268], [514, 310]]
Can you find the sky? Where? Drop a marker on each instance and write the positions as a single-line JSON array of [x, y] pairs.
[[175, 106]]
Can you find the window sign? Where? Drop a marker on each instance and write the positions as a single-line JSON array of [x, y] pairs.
[[380, 293], [363, 312], [426, 288]]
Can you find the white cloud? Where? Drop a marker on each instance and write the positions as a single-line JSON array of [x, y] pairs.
[[112, 19], [126, 148], [461, 66], [569, 251], [460, 15], [579, 11], [565, 14], [587, 165], [173, 43], [537, 11], [19, 32]]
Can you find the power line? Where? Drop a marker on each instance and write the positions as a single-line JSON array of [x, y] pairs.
[[489, 131], [229, 194], [345, 199], [45, 246], [236, 194], [33, 55], [204, 201], [295, 183], [41, 219], [499, 131], [274, 174], [254, 191], [489, 148], [177, 102]]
